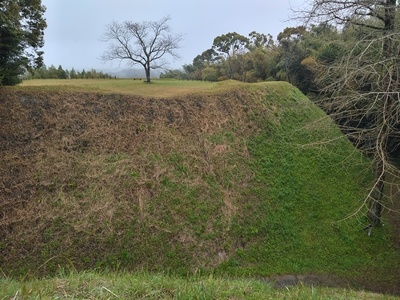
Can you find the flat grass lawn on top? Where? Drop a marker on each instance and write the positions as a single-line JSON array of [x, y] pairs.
[[156, 88]]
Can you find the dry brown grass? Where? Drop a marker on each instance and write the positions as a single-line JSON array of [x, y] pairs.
[[83, 174], [158, 88], [185, 183]]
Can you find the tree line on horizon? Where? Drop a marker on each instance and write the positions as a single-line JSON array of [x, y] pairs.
[[258, 57], [59, 73]]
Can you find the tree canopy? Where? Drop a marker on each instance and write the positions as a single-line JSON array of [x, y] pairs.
[[22, 28], [357, 77], [143, 43]]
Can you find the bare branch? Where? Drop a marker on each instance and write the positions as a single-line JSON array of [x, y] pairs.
[[366, 13], [143, 43], [360, 91]]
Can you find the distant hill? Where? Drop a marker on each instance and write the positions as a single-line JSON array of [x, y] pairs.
[[252, 180], [132, 73]]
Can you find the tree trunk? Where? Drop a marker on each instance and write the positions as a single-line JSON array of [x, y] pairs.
[[389, 20], [375, 206], [147, 69]]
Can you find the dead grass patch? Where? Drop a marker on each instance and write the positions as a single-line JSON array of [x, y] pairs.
[[91, 174]]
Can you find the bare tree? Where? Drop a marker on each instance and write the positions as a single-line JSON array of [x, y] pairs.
[[143, 43], [361, 90]]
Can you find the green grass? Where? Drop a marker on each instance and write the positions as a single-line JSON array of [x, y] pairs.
[[90, 285], [157, 88], [301, 224], [233, 179]]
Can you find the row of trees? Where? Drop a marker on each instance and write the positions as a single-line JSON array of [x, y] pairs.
[[258, 57], [232, 56], [59, 73]]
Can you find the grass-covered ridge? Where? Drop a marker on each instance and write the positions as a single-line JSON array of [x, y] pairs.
[[232, 181], [156, 88]]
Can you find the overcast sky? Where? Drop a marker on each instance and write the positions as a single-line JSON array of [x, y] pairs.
[[74, 27]]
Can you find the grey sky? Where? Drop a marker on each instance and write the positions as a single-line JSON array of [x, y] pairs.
[[72, 38]]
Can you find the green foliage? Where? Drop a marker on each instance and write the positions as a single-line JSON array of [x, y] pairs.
[[233, 56], [176, 74], [331, 52], [21, 37], [59, 73], [259, 58], [230, 44], [209, 74], [260, 41]]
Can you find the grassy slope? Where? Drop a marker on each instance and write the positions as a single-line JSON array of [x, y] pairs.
[[224, 180]]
